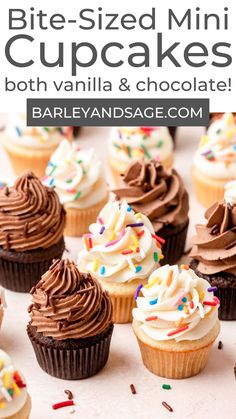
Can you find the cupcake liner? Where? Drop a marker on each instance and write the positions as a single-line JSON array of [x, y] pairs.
[[20, 275], [122, 308], [170, 364], [78, 220], [208, 191], [24, 412], [226, 291], [122, 298], [73, 363], [175, 239], [227, 297], [24, 158]]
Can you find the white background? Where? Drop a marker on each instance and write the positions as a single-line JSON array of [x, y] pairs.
[[224, 101], [107, 395]]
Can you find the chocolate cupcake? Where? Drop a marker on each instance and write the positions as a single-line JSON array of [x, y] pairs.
[[32, 221], [71, 327], [160, 195], [214, 255]]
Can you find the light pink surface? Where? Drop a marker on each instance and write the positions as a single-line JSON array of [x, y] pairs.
[[107, 395]]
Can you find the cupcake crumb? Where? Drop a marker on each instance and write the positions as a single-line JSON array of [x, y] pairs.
[[69, 394]]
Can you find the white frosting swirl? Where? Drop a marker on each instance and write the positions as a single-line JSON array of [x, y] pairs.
[[216, 156], [120, 252], [34, 137], [11, 402], [129, 143], [173, 300], [230, 192], [77, 176]]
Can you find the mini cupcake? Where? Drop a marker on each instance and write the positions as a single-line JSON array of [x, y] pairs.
[[79, 181], [32, 221], [161, 196], [214, 253], [15, 402], [176, 322], [71, 327], [130, 143], [121, 251], [31, 147], [215, 160]]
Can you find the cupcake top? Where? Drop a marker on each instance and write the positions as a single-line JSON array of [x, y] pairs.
[[216, 156], [13, 392], [176, 304], [34, 137], [215, 242], [31, 215], [121, 245], [77, 176], [155, 192], [129, 143], [69, 304]]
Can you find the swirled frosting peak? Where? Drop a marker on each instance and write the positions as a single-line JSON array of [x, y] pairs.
[[31, 215], [13, 392], [77, 176], [129, 143], [215, 243], [121, 245], [216, 156], [69, 304], [155, 192], [176, 304]]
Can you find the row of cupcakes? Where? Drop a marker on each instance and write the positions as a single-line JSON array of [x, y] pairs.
[[151, 209], [214, 163], [70, 328]]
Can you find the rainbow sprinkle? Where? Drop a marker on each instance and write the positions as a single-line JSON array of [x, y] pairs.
[[179, 330], [77, 195], [155, 256], [102, 270], [138, 269], [137, 291], [153, 302], [149, 319]]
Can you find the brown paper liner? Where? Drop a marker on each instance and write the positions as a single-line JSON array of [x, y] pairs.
[[174, 245], [23, 158], [20, 271], [24, 412], [72, 363], [79, 220], [170, 364], [208, 191], [226, 291]]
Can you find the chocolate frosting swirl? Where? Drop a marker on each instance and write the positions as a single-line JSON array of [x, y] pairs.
[[31, 215], [69, 304], [215, 243], [155, 192]]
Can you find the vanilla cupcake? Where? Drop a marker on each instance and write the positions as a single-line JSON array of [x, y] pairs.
[[215, 160], [15, 402], [121, 251], [79, 181], [130, 143], [176, 322], [31, 147]]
